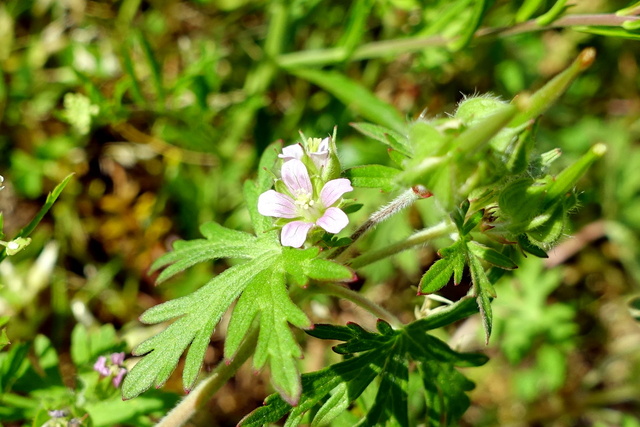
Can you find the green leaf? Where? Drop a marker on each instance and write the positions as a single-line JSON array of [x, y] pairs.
[[634, 308], [526, 245], [337, 403], [127, 62], [88, 345], [221, 243], [352, 94], [557, 10], [620, 32], [355, 27], [446, 397], [471, 223], [258, 283], [154, 67], [13, 363], [373, 176], [388, 355], [114, 412], [437, 276], [198, 314], [303, 264], [527, 9], [479, 9], [491, 256], [4, 339], [484, 291], [253, 189], [51, 198], [267, 162], [393, 139], [266, 297]]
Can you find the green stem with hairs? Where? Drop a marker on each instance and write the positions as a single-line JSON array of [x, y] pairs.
[[344, 292], [404, 200], [419, 238]]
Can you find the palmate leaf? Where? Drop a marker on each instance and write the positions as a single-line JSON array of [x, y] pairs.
[[260, 285], [388, 355], [197, 315], [267, 298]]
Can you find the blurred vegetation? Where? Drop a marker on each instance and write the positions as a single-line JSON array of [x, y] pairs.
[[162, 108]]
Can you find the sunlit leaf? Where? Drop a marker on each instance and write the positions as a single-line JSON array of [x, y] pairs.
[[387, 354]]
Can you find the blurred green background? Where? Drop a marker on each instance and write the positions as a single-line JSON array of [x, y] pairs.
[[162, 108]]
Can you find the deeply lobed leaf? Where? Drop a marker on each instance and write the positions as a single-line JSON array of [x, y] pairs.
[[387, 355]]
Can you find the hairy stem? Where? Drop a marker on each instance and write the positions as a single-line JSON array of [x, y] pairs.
[[401, 202], [200, 395], [395, 47], [342, 291], [419, 238]]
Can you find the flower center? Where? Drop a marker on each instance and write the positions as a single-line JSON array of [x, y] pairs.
[[308, 208], [304, 200]]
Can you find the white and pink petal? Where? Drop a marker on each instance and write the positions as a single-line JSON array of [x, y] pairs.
[[333, 220], [334, 190], [295, 233], [291, 152], [321, 156], [272, 203], [296, 177]]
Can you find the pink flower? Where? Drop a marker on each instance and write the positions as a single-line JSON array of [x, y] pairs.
[[118, 378], [117, 358], [101, 366], [302, 205], [111, 366]]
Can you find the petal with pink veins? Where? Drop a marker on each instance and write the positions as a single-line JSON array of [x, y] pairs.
[[272, 203], [296, 177], [295, 233], [333, 220], [320, 157], [291, 152], [333, 190]]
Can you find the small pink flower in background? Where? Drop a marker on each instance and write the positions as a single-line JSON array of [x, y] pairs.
[[301, 205], [117, 358], [101, 366], [118, 378], [111, 366]]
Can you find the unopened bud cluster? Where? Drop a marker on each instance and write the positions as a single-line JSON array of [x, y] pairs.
[[478, 154]]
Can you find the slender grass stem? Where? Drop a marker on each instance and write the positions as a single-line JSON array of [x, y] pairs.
[[200, 395], [342, 291], [419, 238], [398, 46]]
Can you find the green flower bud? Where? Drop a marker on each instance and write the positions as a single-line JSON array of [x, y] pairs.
[[426, 140], [472, 109], [546, 229], [520, 201]]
